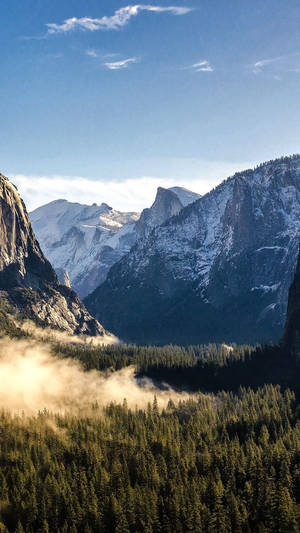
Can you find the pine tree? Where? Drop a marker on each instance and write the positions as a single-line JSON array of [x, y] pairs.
[[19, 528]]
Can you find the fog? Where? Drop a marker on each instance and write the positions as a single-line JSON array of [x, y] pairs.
[[48, 334], [33, 379]]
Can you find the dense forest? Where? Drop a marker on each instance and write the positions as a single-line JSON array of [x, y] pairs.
[[221, 463], [225, 460], [209, 368]]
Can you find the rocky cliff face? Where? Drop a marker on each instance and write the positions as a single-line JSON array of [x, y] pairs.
[[63, 277], [27, 280], [218, 271], [86, 241], [291, 340], [166, 204]]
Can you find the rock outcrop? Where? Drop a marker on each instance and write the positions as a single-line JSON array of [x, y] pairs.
[[27, 279]]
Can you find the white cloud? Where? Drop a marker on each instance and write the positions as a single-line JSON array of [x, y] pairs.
[[284, 63], [126, 195], [202, 66], [117, 65], [91, 52], [259, 65], [279, 65], [115, 21]]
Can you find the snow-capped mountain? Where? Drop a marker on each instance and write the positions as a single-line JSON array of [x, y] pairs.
[[83, 242], [185, 196], [219, 270], [167, 203], [27, 280]]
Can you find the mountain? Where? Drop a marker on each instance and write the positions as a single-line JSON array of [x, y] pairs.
[[166, 204], [83, 242], [185, 196], [27, 280], [219, 271], [291, 340]]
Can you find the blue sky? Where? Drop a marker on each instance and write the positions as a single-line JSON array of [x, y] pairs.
[[124, 98]]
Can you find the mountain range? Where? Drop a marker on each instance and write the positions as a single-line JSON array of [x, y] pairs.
[[219, 270], [83, 242]]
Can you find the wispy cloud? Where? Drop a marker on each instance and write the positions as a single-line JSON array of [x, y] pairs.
[[279, 65], [117, 65], [120, 18], [40, 37], [262, 63], [201, 66], [92, 53]]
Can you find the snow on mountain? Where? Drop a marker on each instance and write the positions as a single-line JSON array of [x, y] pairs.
[[83, 242], [219, 270], [185, 196]]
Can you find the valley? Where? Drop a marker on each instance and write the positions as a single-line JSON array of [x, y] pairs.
[[101, 436], [149, 267]]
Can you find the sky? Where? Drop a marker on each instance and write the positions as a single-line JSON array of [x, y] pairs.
[[106, 100]]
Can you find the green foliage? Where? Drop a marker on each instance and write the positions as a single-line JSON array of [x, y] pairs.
[[219, 463], [228, 461], [212, 367]]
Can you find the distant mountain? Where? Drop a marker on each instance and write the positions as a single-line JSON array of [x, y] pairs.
[[185, 196], [220, 270], [27, 280], [83, 242], [167, 203]]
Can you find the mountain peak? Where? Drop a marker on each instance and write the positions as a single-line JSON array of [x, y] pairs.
[[105, 206], [185, 195], [165, 195], [165, 205]]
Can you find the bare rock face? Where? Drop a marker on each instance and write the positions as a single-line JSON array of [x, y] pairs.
[[21, 261], [291, 340], [27, 279], [166, 204], [63, 277]]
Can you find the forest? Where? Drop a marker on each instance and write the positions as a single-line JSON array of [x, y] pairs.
[[221, 463], [225, 459]]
